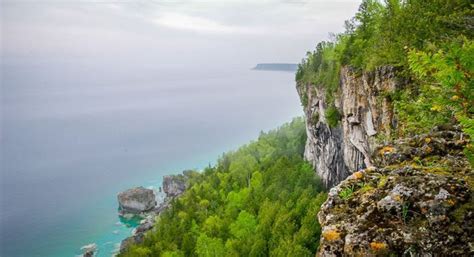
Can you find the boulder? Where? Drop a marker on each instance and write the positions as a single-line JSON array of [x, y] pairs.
[[174, 185], [89, 250], [136, 200]]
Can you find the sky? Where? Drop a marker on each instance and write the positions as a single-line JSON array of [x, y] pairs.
[[169, 33], [92, 92]]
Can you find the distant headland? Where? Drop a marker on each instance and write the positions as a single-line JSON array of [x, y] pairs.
[[276, 66]]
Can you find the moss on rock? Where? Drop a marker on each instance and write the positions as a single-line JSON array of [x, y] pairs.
[[418, 201]]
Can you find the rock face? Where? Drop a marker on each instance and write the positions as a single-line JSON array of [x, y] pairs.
[[89, 250], [136, 200], [410, 197], [174, 185], [138, 233], [419, 204], [363, 101]]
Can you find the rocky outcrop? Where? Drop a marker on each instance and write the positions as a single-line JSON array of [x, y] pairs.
[[174, 185], [363, 102], [324, 145], [89, 250], [139, 232], [410, 197], [419, 202], [136, 200]]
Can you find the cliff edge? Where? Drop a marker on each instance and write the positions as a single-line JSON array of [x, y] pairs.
[[409, 196], [419, 202], [360, 112]]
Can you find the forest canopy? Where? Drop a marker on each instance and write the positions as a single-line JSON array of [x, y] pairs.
[[260, 200], [429, 42]]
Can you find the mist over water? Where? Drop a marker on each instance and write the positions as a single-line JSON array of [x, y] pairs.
[[72, 140], [100, 96]]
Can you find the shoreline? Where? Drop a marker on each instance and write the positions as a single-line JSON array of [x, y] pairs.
[[172, 187]]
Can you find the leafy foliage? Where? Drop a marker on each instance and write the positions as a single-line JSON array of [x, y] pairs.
[[260, 200], [445, 74], [379, 32], [430, 43], [322, 67], [332, 116], [346, 193]]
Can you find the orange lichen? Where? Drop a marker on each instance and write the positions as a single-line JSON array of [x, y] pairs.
[[397, 198], [331, 235], [378, 246], [386, 149], [451, 202], [358, 175]]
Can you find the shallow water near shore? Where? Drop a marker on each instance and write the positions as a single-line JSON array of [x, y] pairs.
[[73, 138], [119, 227]]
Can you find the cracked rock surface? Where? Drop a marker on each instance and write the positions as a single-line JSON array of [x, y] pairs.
[[417, 201]]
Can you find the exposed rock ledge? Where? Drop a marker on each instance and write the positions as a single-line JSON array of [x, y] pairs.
[[364, 104], [173, 186], [420, 204], [136, 200], [89, 250]]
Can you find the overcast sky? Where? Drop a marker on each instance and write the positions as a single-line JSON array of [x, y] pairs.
[[168, 32]]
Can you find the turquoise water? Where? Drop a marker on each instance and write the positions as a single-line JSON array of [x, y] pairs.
[[118, 227], [74, 136]]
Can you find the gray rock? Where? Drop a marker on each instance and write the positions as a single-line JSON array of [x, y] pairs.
[[174, 185], [89, 250], [442, 195], [336, 152], [136, 200], [405, 208], [127, 242]]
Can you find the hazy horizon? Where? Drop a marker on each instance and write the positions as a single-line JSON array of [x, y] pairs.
[[98, 96], [144, 34]]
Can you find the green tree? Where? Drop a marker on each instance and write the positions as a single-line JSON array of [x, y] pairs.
[[446, 75], [238, 207], [209, 246], [244, 226]]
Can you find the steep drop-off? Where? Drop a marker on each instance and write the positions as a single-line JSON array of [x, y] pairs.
[[412, 196], [365, 112], [417, 202]]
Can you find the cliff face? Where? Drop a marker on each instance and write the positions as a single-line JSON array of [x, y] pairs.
[[417, 202], [408, 197], [365, 109]]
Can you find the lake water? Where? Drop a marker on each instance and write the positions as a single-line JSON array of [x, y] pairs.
[[74, 136]]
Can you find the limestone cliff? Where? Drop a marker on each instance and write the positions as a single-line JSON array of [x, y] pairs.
[[363, 101], [417, 202], [405, 197]]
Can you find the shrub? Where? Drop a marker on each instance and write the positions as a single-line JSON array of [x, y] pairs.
[[332, 116]]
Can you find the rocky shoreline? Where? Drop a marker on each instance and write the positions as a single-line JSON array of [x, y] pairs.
[[173, 186], [142, 202]]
